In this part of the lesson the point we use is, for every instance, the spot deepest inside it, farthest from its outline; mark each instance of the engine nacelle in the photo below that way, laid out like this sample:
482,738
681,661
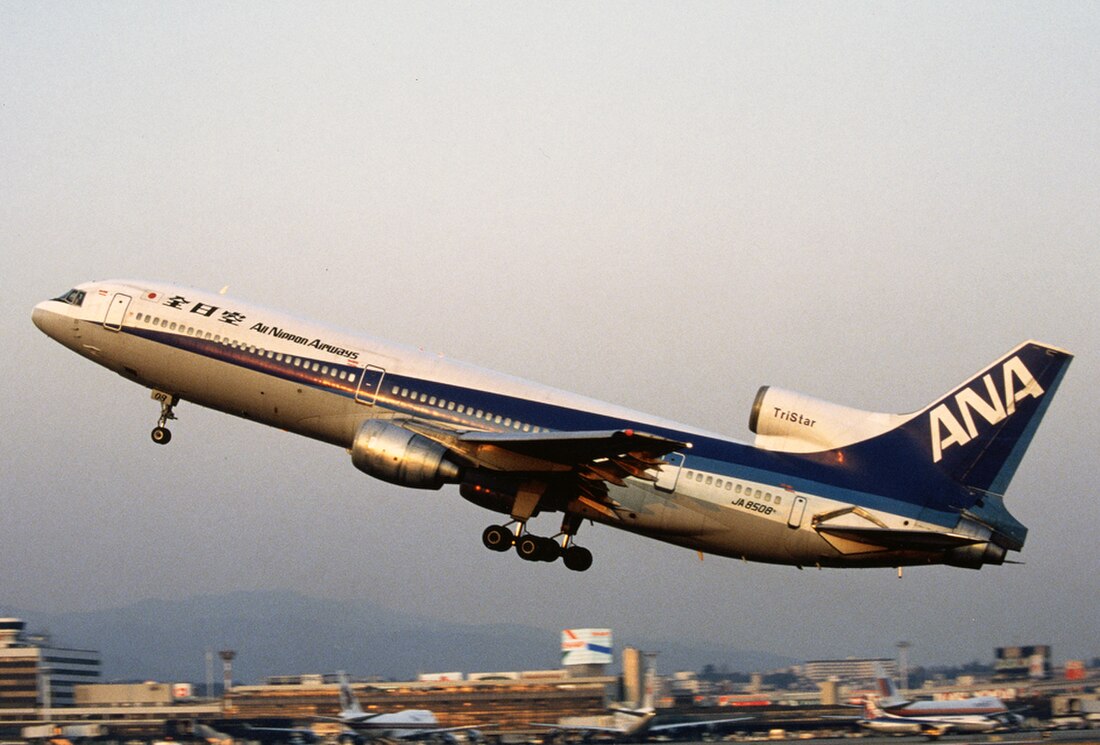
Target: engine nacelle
392,453
796,423
975,555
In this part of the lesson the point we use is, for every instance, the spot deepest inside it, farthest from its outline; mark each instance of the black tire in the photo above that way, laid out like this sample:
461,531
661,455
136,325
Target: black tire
497,538
161,435
529,547
577,558
550,550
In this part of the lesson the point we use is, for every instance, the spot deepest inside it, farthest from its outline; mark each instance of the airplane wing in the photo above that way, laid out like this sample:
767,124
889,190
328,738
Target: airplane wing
594,728
598,457
695,725
431,734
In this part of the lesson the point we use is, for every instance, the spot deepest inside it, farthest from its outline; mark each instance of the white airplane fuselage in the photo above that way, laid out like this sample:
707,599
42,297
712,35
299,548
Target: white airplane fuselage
829,506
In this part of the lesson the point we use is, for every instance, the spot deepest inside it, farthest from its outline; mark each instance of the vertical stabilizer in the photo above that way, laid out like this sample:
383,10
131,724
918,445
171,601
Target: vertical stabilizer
977,433
349,704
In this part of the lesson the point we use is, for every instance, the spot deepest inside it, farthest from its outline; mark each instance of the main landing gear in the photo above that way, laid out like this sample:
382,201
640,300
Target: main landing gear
536,548
161,434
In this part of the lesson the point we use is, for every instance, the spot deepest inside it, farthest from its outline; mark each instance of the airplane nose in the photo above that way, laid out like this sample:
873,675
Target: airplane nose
45,319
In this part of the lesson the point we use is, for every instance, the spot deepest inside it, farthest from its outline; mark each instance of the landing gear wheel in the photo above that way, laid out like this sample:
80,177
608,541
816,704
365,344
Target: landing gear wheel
161,435
577,558
549,550
529,547
497,538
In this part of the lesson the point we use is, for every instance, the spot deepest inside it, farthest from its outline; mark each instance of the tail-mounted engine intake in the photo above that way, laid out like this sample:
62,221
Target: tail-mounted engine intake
392,453
795,423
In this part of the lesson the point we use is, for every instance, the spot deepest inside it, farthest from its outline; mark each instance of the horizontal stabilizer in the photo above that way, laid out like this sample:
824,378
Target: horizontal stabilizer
923,540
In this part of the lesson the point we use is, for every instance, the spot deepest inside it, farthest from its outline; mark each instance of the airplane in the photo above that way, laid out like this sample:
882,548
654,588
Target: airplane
822,485
408,724
634,723
888,710
933,725
890,713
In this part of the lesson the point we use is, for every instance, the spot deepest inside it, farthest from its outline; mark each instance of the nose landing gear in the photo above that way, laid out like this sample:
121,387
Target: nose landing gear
162,435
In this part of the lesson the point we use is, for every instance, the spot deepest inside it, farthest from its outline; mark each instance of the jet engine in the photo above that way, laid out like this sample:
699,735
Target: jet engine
796,423
974,555
392,453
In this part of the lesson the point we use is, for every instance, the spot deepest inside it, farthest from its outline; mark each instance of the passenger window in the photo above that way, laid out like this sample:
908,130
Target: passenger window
710,480
699,477
777,500
431,401
450,406
351,377
729,485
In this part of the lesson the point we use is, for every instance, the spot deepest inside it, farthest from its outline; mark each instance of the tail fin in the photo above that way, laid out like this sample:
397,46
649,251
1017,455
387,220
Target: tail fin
871,709
978,433
887,691
349,704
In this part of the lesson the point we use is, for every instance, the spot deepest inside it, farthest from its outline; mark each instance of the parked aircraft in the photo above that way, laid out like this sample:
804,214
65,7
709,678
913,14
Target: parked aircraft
823,485
635,723
408,724
890,713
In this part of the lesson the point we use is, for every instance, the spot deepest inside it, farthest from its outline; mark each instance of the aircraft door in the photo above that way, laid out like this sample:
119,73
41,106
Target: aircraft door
116,312
669,472
797,509
370,382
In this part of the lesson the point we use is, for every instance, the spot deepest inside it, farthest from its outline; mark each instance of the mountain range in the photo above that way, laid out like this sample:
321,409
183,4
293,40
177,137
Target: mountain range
285,633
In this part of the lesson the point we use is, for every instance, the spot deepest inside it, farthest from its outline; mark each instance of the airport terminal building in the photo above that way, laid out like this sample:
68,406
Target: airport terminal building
36,674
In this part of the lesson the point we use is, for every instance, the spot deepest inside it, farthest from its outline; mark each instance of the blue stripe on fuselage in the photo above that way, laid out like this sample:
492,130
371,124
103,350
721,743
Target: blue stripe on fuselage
885,473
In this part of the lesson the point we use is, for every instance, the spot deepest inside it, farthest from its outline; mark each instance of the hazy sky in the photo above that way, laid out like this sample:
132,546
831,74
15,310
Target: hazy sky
660,205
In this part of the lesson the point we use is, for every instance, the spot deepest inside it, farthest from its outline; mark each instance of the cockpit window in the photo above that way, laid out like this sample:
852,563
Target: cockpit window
72,297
